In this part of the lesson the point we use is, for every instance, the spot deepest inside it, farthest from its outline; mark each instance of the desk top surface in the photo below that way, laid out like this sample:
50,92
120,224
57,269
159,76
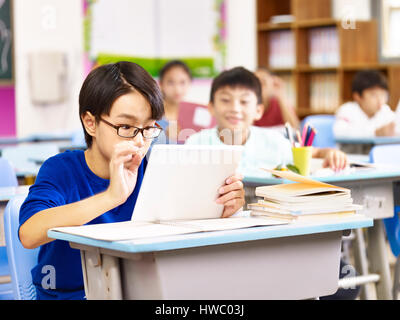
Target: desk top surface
302,226
362,175
6,193
369,140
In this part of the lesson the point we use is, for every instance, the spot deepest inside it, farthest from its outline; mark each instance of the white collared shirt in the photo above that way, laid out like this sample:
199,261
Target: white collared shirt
264,148
352,121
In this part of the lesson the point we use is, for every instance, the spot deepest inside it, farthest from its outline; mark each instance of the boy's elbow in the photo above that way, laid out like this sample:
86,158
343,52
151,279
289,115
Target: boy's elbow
26,239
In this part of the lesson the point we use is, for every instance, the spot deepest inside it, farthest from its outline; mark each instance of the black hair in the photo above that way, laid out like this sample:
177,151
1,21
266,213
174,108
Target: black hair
367,79
173,64
237,77
108,82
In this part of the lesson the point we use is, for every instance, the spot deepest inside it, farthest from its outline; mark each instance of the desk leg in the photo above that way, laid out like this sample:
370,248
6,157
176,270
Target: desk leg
361,261
379,262
101,276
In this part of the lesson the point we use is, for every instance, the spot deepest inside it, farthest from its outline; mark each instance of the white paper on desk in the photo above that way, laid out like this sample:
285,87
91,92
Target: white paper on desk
132,230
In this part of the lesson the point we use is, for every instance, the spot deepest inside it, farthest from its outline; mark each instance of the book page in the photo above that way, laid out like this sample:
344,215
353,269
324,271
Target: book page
131,230
289,175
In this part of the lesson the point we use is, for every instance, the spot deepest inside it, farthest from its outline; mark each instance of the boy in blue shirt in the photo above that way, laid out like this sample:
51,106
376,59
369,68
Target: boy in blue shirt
119,105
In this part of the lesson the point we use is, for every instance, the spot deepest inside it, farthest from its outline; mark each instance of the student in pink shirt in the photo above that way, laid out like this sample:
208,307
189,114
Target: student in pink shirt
277,110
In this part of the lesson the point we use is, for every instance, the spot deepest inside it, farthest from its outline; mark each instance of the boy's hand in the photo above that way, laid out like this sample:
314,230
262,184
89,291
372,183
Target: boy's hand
231,195
386,130
124,165
335,159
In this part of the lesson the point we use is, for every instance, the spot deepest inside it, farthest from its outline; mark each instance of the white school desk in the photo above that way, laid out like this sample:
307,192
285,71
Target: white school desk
295,261
373,189
364,145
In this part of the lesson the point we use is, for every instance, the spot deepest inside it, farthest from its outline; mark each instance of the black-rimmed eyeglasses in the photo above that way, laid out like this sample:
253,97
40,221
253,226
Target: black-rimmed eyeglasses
126,131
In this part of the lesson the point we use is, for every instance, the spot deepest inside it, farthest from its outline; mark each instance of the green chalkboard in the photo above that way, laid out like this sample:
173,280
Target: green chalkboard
6,66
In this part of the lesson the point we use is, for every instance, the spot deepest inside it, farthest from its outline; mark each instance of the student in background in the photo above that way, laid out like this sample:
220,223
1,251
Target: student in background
118,107
175,81
276,108
236,103
368,115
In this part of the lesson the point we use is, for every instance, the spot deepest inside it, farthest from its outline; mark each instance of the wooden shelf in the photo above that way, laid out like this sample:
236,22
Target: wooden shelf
267,26
307,68
358,50
324,22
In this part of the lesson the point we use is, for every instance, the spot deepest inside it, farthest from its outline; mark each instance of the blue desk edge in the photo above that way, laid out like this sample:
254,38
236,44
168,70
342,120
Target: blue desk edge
214,237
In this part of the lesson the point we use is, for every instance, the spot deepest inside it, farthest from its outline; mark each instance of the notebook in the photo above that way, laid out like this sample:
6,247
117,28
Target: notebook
304,197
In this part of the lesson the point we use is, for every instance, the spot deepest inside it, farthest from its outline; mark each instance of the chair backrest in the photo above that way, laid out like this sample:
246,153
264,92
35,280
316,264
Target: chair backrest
20,260
323,123
8,178
389,154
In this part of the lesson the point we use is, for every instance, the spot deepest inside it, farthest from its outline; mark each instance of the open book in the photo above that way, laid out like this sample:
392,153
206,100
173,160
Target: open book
307,196
133,230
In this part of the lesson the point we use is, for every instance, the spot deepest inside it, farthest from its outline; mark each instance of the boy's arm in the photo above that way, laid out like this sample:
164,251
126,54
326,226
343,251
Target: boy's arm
288,114
33,232
124,164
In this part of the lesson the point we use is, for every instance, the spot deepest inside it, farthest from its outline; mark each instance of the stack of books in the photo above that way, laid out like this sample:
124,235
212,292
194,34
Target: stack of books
324,92
282,49
304,197
324,47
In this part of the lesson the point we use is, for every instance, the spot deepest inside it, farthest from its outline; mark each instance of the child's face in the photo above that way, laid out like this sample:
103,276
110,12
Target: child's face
372,100
175,85
131,109
235,108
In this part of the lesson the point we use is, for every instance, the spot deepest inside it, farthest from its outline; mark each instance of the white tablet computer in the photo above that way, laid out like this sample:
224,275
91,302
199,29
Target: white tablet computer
181,182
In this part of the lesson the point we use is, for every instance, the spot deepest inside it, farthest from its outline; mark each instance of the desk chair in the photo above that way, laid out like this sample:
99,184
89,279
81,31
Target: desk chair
8,178
323,123
21,260
390,154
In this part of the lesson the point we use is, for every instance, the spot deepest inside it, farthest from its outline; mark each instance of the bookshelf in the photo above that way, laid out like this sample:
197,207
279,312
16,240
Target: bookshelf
326,55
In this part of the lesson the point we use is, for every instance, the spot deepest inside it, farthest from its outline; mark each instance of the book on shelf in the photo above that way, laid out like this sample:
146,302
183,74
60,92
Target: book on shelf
283,18
290,88
304,197
282,49
324,47
324,92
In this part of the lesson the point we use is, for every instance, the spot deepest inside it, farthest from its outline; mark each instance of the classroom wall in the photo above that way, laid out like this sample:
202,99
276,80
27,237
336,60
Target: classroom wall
241,45
57,25
48,25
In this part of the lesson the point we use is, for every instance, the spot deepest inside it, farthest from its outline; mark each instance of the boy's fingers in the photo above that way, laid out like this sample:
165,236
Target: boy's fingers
237,185
229,196
232,207
235,177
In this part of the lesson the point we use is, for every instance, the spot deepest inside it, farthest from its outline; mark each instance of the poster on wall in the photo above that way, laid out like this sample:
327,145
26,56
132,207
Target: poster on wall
155,31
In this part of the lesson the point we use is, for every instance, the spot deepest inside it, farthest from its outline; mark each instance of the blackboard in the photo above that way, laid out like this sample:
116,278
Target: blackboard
6,68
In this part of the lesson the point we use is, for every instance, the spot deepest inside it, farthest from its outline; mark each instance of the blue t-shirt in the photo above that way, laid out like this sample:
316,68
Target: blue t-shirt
63,179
